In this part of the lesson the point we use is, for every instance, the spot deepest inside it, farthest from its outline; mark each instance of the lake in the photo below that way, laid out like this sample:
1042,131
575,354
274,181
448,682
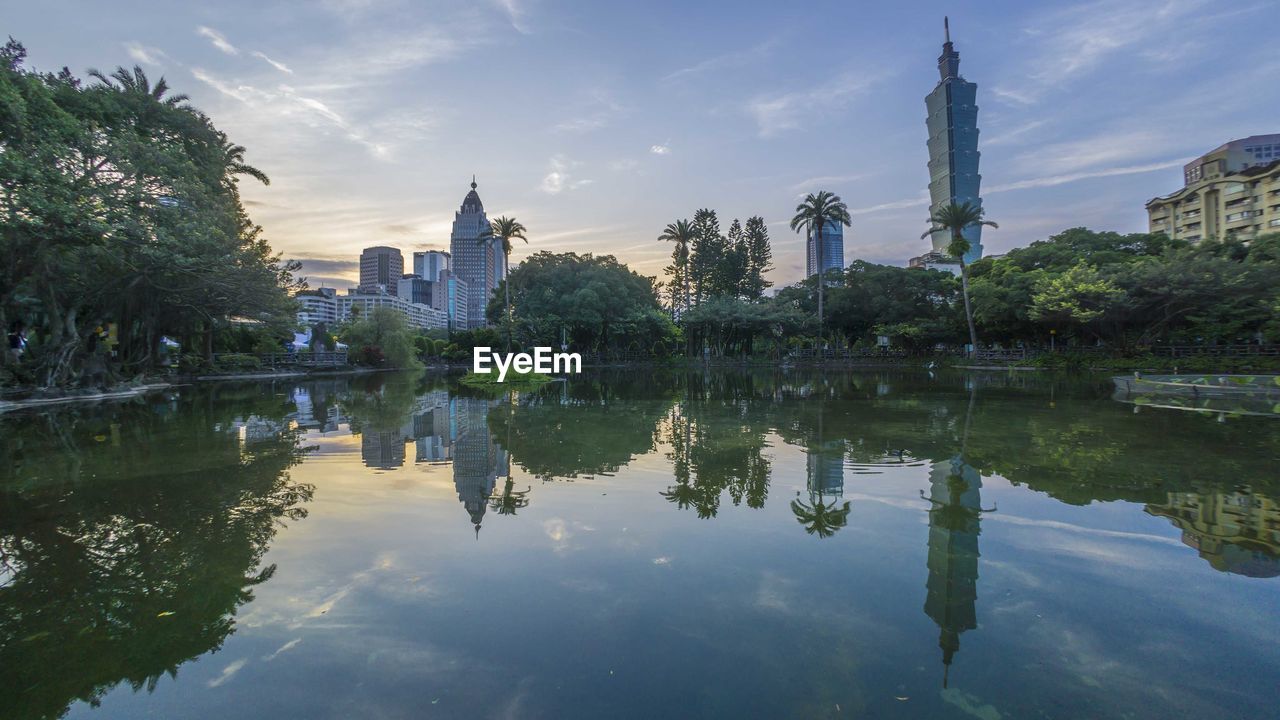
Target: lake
641,544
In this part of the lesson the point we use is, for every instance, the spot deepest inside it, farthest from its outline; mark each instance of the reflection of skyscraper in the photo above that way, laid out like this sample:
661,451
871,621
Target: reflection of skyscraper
825,469
1236,532
382,448
955,495
477,461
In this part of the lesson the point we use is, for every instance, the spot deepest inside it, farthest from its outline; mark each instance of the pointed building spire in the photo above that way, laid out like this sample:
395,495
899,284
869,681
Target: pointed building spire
949,60
473,181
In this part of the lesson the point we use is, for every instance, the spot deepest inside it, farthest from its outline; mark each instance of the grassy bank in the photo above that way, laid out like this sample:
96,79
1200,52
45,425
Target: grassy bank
1154,363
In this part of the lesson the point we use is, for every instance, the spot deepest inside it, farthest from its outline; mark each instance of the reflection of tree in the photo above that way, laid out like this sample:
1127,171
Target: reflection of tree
714,451
510,500
820,517
129,536
585,426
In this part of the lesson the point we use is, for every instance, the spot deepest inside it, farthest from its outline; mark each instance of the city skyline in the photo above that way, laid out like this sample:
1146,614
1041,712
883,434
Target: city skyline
369,116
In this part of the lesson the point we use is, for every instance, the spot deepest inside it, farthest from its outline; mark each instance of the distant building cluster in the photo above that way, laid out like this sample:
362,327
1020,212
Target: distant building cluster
1233,190
444,290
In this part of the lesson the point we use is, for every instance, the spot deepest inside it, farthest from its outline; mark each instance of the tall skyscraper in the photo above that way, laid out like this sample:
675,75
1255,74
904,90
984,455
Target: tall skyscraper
429,264
480,265
832,250
380,269
953,146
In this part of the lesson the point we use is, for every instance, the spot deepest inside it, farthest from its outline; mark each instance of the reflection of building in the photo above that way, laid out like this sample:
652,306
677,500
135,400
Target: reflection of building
1236,532
382,448
480,265
825,469
955,493
1231,190
477,460
953,147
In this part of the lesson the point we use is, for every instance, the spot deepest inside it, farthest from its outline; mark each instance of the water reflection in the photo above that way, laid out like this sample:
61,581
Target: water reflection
129,536
1236,532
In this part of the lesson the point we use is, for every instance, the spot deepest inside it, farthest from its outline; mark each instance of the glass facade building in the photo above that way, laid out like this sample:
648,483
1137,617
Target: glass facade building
832,251
953,146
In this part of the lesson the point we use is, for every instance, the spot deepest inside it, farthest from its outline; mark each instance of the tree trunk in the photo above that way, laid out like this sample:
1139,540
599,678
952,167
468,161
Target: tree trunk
506,291
968,312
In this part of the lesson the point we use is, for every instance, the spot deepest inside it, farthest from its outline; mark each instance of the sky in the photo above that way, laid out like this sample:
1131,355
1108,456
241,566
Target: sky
597,123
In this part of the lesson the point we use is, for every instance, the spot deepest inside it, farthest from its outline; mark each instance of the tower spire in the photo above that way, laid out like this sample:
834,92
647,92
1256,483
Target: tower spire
949,60
473,181
946,28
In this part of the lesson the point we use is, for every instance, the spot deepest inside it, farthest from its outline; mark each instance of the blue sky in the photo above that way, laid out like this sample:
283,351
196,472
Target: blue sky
597,123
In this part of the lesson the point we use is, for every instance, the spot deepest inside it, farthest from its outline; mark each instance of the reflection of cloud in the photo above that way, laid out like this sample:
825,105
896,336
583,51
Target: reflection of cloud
773,593
558,531
664,560
970,704
227,673
291,644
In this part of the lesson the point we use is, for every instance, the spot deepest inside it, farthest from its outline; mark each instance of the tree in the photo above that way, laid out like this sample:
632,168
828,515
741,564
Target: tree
383,337
681,233
121,209
706,254
1078,297
505,229
759,258
594,302
955,219
819,211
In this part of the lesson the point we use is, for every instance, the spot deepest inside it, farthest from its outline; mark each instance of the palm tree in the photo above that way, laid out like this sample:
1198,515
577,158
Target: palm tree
233,159
816,213
955,218
505,229
681,233
137,82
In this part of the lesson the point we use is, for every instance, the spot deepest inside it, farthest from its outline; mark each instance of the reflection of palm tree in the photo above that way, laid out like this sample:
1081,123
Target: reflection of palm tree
682,494
819,517
510,500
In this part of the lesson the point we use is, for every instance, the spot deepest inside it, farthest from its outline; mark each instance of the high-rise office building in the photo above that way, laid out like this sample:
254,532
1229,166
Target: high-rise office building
381,268
832,250
429,264
450,293
953,146
416,290
481,265
1233,190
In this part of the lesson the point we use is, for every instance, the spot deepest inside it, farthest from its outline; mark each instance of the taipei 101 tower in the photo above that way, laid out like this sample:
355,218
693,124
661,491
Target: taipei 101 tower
953,145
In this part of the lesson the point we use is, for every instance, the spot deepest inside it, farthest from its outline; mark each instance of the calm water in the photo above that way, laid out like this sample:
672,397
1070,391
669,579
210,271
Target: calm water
877,545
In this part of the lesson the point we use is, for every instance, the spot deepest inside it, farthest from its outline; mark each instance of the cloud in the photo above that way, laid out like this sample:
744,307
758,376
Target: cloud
819,182
1038,182
595,113
1052,180
660,149
218,39
1013,136
285,101
779,113
144,54
559,178
277,65
728,60
516,14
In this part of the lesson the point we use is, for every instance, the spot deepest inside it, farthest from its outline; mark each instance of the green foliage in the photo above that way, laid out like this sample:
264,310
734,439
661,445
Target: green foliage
598,304
382,339
122,206
1077,297
238,361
